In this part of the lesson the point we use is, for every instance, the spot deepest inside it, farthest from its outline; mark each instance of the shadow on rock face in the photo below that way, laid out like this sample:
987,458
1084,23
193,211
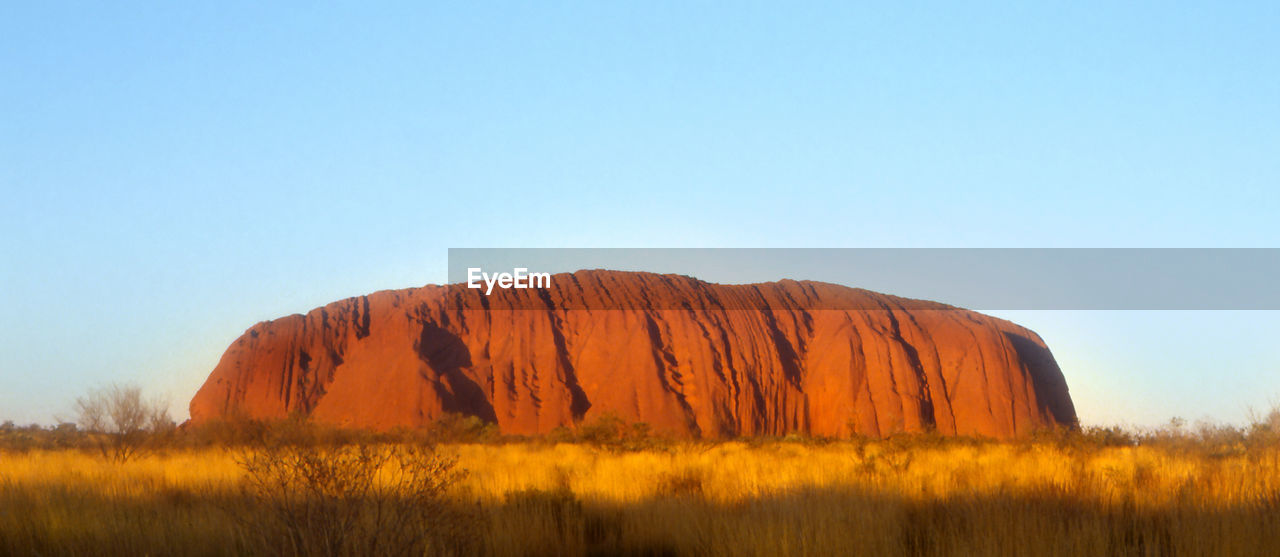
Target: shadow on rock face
1050,386
448,356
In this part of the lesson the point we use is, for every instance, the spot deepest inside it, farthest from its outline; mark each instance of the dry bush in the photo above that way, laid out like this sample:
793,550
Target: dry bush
610,431
121,420
350,500
459,428
682,483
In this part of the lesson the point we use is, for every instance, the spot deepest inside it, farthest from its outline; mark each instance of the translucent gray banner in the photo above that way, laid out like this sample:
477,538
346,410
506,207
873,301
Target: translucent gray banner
973,278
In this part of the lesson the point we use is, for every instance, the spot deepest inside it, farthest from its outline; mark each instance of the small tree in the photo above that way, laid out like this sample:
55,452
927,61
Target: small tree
121,419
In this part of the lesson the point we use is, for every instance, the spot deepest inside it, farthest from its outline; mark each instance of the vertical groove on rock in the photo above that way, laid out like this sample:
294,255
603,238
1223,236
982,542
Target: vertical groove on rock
579,404
665,363
913,360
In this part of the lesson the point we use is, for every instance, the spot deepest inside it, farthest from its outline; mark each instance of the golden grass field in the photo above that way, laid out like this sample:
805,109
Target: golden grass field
730,498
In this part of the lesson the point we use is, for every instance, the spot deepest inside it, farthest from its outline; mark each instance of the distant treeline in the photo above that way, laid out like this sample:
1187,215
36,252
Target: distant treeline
609,431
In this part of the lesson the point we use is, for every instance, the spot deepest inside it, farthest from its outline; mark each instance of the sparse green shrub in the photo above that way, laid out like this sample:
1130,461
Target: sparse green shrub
460,428
611,431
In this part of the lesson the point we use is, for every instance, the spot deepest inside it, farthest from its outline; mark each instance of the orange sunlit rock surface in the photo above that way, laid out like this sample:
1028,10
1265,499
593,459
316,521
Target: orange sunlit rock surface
883,364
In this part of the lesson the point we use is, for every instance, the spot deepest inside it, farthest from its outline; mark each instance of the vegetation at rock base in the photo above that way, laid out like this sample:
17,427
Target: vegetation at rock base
606,489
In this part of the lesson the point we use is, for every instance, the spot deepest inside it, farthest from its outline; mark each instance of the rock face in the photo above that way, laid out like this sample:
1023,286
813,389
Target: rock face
686,357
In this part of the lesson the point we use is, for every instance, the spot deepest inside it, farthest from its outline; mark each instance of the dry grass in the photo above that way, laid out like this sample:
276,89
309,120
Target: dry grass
769,498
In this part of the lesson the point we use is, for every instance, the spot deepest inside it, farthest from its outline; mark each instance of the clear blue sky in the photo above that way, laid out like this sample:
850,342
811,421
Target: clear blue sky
172,174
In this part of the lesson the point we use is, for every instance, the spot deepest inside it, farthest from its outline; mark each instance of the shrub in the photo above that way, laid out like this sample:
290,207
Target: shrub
350,500
121,420
611,431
